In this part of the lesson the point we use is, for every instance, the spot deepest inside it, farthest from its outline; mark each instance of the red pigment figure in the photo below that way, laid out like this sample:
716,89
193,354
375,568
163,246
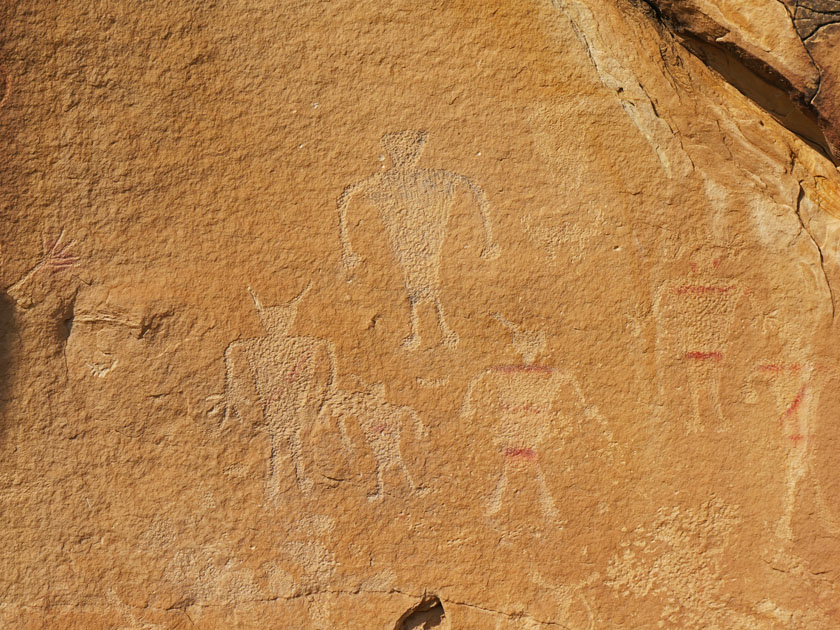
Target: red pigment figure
280,381
694,316
526,404
56,257
791,384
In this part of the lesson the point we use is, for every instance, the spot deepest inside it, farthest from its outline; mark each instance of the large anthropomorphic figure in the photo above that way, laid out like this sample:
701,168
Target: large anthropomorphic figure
415,205
280,381
526,408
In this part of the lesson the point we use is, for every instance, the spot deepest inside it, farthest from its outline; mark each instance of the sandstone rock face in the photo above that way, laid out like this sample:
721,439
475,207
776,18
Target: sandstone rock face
405,315
782,53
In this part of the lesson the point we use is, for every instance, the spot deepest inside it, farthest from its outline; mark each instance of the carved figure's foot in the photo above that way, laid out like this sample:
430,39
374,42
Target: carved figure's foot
491,252
412,342
450,339
350,261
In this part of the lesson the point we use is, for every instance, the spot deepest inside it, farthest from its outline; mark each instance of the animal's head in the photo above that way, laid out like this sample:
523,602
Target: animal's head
405,147
279,319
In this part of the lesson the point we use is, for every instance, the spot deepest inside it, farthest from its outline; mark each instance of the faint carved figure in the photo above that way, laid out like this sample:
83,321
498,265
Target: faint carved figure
574,609
56,257
414,205
694,316
797,387
382,425
281,381
677,559
792,388
527,404
566,238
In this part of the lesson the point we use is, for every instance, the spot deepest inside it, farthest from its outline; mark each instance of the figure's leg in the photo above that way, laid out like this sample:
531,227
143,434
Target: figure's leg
296,450
695,380
714,392
380,483
272,486
546,500
496,497
450,337
411,483
413,340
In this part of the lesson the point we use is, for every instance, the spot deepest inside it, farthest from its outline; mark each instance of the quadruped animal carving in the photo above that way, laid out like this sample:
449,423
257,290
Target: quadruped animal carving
526,405
414,205
281,381
382,424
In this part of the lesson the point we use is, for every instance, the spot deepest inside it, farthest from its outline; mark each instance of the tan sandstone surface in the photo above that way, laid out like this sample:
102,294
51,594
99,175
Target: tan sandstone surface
460,315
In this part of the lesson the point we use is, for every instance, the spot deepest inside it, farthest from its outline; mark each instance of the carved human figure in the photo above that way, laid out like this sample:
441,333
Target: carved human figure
280,381
792,389
694,316
797,388
414,205
525,406
382,425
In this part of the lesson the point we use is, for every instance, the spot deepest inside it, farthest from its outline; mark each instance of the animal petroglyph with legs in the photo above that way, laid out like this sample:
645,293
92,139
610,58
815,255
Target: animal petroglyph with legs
528,404
382,424
414,205
280,381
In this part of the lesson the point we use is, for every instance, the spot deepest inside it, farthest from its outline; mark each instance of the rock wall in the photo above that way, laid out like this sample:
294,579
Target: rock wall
353,315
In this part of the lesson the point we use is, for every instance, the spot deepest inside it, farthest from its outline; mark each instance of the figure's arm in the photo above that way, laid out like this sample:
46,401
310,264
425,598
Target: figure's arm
348,257
491,248
326,369
242,400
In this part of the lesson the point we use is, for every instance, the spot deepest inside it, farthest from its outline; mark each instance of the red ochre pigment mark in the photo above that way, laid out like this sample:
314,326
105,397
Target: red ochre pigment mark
693,266
7,86
526,408
519,452
301,363
779,367
380,428
797,438
792,408
704,356
523,368
703,289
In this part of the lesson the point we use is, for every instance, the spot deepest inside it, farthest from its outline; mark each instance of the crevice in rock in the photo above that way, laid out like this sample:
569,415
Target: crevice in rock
426,615
753,77
819,249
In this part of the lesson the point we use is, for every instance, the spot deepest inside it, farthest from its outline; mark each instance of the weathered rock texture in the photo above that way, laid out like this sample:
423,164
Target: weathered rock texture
782,53
466,315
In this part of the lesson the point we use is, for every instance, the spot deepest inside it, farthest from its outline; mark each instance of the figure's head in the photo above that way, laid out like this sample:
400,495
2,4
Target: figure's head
404,147
278,319
528,343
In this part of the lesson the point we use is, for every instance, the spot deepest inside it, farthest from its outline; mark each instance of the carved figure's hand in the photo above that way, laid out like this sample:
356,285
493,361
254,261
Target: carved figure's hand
57,256
350,260
491,251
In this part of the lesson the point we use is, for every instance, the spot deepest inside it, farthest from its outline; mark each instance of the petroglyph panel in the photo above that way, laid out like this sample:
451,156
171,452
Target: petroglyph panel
358,315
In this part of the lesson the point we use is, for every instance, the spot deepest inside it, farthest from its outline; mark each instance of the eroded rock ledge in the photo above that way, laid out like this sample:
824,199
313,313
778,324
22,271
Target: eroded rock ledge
782,54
